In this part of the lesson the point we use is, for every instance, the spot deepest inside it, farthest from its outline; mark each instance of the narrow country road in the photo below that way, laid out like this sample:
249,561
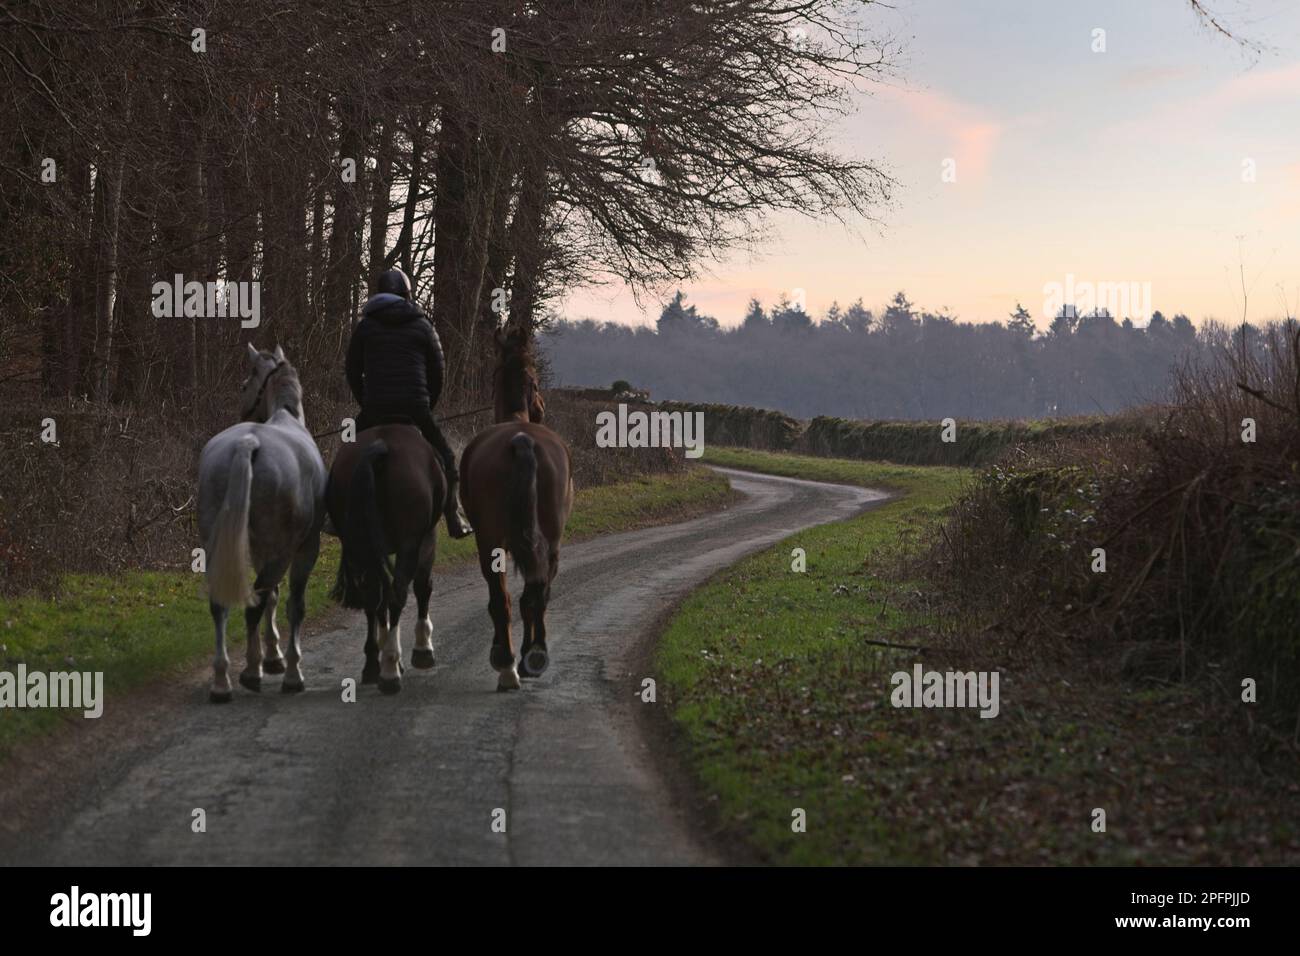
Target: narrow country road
416,778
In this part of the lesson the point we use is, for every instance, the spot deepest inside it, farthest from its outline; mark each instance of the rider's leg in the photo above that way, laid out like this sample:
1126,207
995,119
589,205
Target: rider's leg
457,526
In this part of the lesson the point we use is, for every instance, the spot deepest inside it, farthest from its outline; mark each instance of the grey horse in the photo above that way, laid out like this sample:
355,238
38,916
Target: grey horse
261,506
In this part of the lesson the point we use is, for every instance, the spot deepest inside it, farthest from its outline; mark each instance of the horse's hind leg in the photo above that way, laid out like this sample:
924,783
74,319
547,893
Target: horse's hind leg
272,660
503,655
422,653
390,641
220,693
532,607
251,676
303,563
370,672
533,657
267,579
527,614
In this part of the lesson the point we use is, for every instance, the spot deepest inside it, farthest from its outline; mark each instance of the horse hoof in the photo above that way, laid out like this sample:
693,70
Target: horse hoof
508,680
500,658
220,696
422,657
287,688
274,665
534,663
251,682
390,685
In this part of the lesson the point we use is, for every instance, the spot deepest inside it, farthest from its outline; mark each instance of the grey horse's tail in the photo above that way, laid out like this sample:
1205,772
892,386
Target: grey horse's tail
229,562
365,551
525,538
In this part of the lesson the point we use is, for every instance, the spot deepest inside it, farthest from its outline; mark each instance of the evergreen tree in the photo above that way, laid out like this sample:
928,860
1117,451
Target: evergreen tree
674,317
755,317
900,318
858,319
1021,322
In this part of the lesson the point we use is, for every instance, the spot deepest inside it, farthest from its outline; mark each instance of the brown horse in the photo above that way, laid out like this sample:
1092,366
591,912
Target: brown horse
385,495
517,489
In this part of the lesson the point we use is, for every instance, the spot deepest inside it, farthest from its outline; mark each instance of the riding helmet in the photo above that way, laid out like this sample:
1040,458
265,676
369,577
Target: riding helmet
394,282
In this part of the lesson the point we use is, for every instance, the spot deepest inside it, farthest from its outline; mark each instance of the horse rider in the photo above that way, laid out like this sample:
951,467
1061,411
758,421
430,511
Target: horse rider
394,368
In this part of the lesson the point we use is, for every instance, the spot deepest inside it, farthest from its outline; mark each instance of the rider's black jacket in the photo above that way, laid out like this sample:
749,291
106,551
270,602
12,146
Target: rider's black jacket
395,359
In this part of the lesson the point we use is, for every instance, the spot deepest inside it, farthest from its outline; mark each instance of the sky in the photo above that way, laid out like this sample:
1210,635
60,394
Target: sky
1152,174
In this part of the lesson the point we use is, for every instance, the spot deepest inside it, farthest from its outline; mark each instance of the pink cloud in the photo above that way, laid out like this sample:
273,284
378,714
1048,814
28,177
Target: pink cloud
1202,110
1153,76
973,135
1257,85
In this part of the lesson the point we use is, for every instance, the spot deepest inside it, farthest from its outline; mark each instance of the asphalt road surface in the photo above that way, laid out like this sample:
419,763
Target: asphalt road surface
417,778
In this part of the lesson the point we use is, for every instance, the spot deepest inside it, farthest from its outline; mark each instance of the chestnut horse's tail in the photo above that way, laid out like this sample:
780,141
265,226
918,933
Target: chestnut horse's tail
365,550
528,545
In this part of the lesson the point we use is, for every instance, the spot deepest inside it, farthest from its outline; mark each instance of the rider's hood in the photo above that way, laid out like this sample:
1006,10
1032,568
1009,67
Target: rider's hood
390,309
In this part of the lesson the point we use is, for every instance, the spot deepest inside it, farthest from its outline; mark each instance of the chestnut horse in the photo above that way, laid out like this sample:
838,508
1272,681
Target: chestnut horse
385,496
517,488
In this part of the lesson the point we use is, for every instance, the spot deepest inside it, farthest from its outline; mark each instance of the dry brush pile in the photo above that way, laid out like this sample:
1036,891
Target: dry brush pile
117,490
1197,521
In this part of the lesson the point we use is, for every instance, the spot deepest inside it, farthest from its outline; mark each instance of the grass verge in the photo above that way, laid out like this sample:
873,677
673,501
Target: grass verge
784,706
145,625
777,696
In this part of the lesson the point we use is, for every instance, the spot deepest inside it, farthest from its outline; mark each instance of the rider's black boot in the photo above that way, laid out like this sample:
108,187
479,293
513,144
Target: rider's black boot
457,526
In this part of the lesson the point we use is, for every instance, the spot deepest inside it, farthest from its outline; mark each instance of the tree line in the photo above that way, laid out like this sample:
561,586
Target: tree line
498,151
897,362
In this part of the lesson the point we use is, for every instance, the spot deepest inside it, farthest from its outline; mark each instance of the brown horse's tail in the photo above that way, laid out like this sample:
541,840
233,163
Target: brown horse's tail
364,568
527,544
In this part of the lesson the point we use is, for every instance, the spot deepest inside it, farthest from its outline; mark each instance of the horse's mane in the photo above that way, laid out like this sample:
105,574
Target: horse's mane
516,364
286,390
288,379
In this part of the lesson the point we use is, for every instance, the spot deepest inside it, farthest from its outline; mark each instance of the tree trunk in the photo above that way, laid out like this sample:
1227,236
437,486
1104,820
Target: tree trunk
140,268
239,209
402,248
451,235
379,203
345,234
81,283
107,215
496,269
317,255
463,220
528,242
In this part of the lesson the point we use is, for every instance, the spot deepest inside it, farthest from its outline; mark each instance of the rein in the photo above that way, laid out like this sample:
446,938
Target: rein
472,411
444,418
262,391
